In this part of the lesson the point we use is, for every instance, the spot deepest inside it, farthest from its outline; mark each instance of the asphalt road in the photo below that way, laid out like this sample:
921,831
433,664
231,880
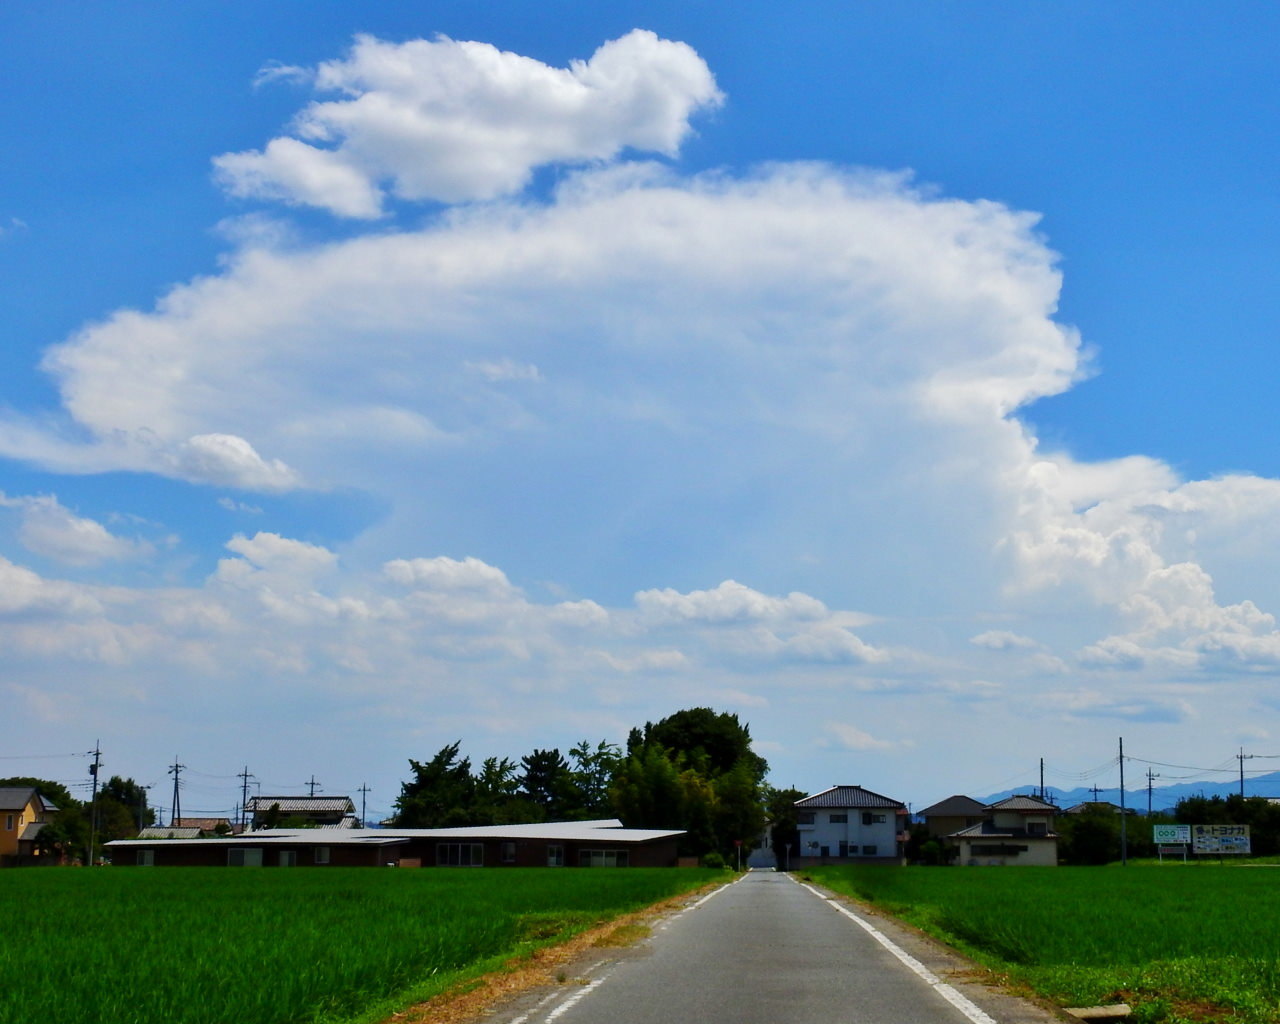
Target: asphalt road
768,949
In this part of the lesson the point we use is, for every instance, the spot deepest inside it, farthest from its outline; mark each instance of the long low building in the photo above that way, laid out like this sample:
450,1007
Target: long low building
602,843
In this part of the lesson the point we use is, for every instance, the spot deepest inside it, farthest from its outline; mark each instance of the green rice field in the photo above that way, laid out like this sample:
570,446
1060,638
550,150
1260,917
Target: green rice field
1177,942
211,945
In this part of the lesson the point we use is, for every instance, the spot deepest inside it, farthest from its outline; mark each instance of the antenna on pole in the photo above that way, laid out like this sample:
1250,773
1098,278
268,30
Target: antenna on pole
363,791
175,812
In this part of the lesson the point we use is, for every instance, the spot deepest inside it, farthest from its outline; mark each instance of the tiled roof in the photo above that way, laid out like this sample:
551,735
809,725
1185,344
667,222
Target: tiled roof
15,798
165,832
301,804
954,807
29,832
1023,802
848,796
207,824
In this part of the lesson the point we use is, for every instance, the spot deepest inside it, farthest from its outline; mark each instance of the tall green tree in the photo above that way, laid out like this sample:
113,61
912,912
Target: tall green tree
593,769
441,793
711,785
547,780
784,830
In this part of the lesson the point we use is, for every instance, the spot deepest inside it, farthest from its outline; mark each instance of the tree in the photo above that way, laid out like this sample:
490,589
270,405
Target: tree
710,785
548,782
713,742
593,769
441,793
131,796
784,831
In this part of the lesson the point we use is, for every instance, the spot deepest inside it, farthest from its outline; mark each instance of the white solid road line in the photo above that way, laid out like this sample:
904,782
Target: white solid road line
948,992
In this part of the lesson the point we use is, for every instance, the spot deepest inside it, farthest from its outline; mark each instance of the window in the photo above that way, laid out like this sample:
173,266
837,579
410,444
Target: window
1037,828
844,849
460,855
603,858
321,855
873,819
8,822
804,818
555,855
288,858
996,850
245,857
868,851
508,853
839,819
146,858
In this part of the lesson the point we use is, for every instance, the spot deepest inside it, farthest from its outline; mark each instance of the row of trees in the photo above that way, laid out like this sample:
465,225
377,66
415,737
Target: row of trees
121,810
693,770
1094,836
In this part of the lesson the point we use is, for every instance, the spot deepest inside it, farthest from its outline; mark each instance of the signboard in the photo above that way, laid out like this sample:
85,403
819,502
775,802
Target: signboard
1171,833
1220,839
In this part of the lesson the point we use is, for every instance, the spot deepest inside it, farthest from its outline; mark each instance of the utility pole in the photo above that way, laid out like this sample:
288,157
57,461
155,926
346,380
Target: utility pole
1150,775
1042,778
1124,824
244,776
1242,757
1095,792
93,800
175,811
363,791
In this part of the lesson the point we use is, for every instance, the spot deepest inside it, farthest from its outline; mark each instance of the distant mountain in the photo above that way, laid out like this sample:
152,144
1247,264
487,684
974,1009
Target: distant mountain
1163,798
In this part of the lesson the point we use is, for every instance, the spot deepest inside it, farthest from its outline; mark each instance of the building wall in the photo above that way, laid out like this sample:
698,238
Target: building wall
940,825
980,852
828,841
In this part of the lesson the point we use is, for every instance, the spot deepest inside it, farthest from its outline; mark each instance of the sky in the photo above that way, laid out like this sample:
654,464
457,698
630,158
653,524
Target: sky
897,377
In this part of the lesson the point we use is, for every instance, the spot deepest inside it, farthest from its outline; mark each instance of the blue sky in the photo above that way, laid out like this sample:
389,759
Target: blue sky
896,376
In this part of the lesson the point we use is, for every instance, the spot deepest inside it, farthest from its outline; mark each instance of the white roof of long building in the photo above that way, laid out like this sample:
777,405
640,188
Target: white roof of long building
604,831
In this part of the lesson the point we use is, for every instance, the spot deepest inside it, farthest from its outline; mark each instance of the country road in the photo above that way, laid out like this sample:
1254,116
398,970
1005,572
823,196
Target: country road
770,950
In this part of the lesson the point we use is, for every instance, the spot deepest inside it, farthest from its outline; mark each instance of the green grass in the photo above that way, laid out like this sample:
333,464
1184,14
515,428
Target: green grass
1179,944
210,945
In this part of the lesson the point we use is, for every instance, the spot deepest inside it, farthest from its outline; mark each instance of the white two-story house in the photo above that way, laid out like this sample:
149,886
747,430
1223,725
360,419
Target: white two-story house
849,823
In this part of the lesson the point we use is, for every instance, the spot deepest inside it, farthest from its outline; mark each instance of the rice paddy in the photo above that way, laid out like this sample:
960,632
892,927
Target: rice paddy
1178,943
332,946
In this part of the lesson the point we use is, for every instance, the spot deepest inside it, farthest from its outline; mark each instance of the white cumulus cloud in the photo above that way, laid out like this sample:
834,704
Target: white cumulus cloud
448,120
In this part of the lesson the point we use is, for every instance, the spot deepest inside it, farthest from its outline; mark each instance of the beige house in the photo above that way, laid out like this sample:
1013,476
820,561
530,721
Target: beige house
1016,830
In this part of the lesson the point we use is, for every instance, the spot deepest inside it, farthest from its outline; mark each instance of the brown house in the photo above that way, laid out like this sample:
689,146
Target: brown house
552,844
952,814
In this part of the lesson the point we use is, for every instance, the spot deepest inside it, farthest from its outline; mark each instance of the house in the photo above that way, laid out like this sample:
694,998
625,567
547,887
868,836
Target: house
1099,805
952,814
550,844
848,823
314,811
1016,830
23,812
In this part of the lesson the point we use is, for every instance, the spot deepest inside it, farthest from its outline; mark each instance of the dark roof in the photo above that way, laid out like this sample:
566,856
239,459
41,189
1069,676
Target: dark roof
14,798
29,832
955,807
1023,802
301,804
849,796
987,830
1104,805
